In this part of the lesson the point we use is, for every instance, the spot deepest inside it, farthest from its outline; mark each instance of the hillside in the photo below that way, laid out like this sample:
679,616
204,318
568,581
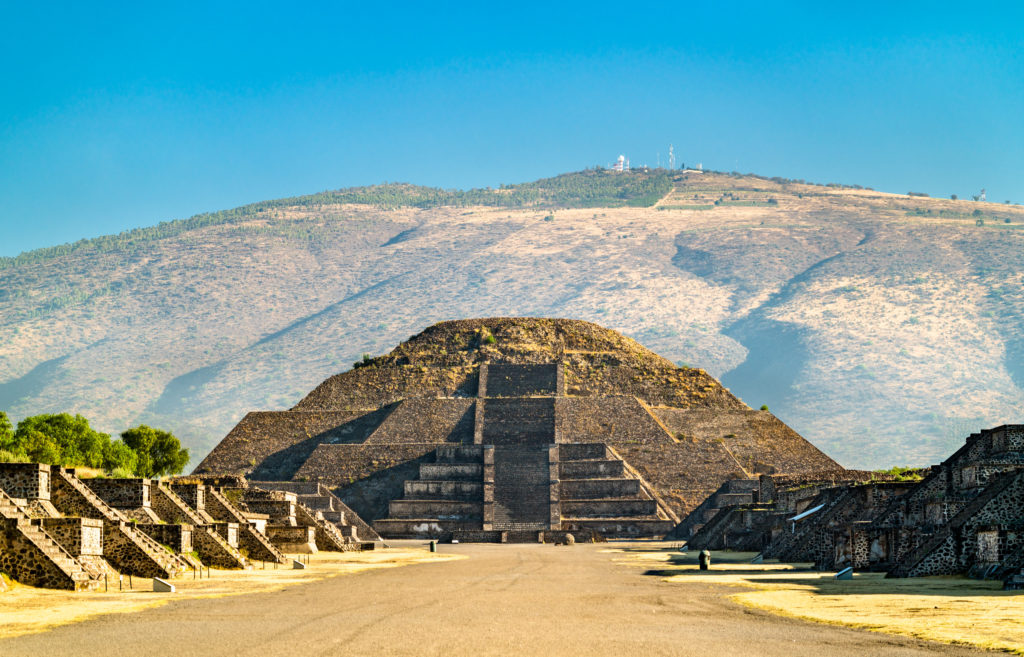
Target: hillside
882,327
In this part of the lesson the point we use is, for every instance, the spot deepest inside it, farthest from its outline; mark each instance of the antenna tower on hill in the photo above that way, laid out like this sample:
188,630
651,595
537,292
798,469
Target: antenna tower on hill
981,197
671,158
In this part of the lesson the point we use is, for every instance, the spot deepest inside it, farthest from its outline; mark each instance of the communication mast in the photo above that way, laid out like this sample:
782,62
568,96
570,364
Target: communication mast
671,158
981,197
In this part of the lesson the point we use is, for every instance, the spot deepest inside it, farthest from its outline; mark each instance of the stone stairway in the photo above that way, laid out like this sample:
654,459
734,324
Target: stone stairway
599,492
125,547
447,496
328,536
318,497
213,548
518,422
514,380
250,539
928,557
32,557
732,493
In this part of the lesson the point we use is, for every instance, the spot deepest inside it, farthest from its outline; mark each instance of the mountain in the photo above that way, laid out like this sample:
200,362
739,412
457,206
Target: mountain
882,327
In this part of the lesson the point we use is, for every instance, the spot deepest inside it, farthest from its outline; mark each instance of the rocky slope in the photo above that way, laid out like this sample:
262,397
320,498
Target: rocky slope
882,327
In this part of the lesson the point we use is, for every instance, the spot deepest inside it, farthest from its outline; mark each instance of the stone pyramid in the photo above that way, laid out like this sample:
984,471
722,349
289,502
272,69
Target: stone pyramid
478,427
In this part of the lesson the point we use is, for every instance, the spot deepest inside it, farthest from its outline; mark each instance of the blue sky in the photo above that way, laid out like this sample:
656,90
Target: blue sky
114,116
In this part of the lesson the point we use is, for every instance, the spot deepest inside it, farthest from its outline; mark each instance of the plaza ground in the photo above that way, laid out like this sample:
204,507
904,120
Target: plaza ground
587,599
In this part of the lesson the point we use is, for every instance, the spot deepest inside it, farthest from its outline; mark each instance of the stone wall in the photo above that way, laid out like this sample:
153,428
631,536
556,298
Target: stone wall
26,481
423,420
122,493
761,443
175,536
23,560
78,536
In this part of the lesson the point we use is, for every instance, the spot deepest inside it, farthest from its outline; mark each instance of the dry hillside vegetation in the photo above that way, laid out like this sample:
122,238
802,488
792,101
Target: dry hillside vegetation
882,327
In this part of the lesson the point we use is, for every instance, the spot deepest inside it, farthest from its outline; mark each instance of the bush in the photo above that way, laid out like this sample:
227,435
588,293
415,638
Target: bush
764,407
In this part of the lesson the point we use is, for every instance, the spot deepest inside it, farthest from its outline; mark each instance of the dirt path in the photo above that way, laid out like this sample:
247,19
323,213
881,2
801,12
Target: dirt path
503,600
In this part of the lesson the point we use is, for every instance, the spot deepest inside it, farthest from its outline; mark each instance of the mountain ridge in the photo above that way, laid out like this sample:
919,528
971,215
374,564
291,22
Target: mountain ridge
896,316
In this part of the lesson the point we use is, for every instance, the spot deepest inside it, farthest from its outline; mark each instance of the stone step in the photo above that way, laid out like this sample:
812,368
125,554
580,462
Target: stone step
451,471
521,380
437,509
423,528
591,469
609,508
444,490
590,489
582,452
459,454
619,527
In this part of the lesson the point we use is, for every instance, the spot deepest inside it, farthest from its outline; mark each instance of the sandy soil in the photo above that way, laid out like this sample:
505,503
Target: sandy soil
948,609
501,600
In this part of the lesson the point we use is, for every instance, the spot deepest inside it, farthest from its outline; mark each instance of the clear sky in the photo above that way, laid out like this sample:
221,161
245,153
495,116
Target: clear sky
114,116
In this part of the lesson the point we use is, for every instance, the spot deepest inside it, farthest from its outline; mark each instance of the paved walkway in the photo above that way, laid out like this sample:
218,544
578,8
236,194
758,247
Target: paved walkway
503,600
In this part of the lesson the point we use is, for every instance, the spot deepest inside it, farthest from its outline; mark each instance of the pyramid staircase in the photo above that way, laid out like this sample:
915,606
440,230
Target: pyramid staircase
518,480
32,557
600,493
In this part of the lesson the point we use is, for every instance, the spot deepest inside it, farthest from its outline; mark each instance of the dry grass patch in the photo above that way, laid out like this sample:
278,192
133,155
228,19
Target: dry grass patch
27,610
948,609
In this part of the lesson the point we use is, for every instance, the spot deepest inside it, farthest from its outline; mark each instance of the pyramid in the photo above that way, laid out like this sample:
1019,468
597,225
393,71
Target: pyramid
480,427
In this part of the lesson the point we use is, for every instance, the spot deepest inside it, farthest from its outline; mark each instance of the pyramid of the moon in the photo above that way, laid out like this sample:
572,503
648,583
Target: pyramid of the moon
516,424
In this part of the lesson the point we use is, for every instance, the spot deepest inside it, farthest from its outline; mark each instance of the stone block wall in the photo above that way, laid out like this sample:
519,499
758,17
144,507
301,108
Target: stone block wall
301,540
78,536
26,481
122,493
177,537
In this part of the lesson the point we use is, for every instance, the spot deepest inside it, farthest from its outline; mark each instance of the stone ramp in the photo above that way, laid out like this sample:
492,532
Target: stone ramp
32,557
518,380
522,489
522,421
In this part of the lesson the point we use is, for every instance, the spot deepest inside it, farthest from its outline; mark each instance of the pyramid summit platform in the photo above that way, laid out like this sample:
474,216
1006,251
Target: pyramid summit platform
483,429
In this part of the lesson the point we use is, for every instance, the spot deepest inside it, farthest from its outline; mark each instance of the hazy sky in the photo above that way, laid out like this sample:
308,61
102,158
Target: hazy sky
117,116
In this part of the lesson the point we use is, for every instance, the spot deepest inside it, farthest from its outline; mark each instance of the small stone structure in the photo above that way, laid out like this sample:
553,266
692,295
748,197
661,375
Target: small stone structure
965,516
65,532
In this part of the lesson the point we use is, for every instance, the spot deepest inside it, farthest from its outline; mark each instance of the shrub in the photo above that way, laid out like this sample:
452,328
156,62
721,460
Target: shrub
764,407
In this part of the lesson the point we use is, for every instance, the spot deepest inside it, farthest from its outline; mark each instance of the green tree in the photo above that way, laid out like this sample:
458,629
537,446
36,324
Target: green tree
157,452
118,457
61,439
6,431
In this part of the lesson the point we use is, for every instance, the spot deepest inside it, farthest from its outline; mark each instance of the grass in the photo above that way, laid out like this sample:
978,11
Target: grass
28,610
952,610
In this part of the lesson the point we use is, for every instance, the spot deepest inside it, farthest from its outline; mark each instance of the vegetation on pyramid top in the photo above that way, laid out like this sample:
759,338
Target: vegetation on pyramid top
444,359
